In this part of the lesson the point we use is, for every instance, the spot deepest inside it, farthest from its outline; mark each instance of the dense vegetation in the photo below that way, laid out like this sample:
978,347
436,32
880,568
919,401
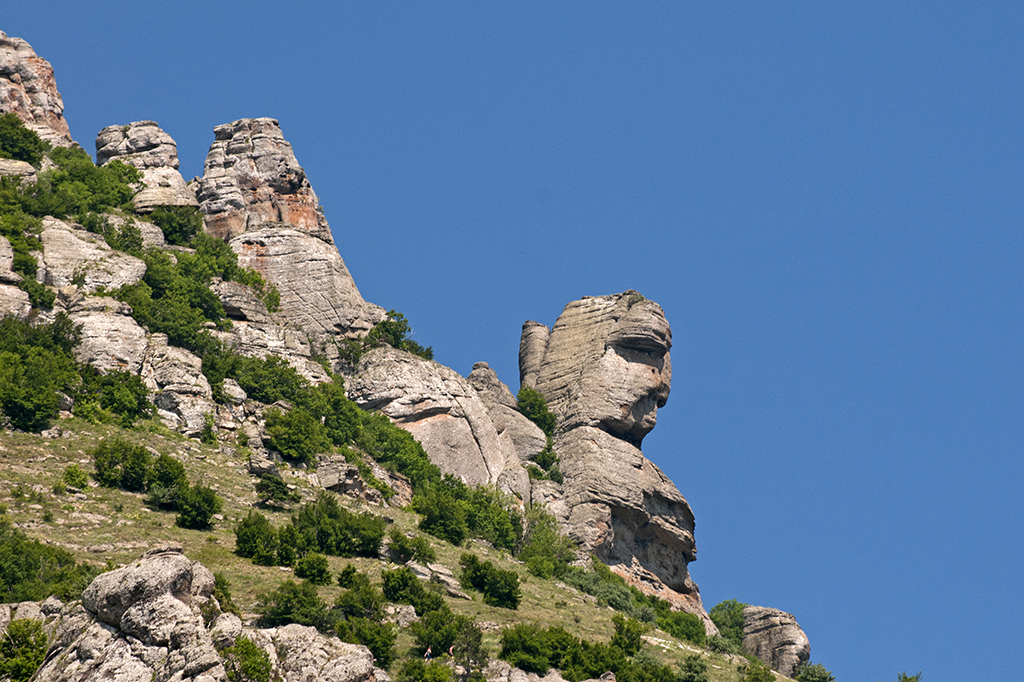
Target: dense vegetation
32,571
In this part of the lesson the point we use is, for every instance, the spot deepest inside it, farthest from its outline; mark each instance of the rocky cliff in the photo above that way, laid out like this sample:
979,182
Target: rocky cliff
604,369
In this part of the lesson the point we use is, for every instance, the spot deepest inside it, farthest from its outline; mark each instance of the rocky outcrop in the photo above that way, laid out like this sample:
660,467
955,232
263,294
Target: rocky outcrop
139,623
604,370
111,339
318,294
439,408
29,89
503,409
181,393
251,177
775,637
19,169
73,256
146,146
145,622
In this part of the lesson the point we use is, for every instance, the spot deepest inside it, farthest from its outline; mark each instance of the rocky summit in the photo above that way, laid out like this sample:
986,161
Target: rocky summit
603,369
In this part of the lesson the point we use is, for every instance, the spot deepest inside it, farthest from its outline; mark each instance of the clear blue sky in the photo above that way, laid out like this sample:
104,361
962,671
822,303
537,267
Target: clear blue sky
826,199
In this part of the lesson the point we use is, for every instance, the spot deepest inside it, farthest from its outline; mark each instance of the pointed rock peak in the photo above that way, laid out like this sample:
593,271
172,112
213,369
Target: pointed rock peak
252,177
29,90
146,146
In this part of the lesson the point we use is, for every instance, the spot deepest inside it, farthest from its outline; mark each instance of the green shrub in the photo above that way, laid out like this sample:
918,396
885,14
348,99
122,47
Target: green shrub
499,587
683,625
812,672
403,549
394,331
378,637
403,587
326,527
444,516
348,576
32,571
437,630
756,671
546,551
468,651
273,491
256,539
535,408
178,223
246,662
167,483
22,649
121,393
197,508
294,602
296,434
313,568
19,143
724,645
396,449
75,477
120,464
360,600
418,670
694,669
728,616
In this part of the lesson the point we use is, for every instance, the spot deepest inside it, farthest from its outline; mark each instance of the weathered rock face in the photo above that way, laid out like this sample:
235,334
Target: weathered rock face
775,638
146,146
145,622
72,256
111,339
28,89
317,292
251,177
438,407
527,438
604,370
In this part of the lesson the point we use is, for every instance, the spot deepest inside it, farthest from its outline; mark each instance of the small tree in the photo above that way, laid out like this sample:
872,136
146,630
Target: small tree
694,669
120,464
756,671
535,408
22,649
628,634
198,506
813,672
294,602
313,567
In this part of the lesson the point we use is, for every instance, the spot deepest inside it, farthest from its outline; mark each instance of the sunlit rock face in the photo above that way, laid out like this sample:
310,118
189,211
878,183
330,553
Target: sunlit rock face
146,146
29,90
604,369
255,195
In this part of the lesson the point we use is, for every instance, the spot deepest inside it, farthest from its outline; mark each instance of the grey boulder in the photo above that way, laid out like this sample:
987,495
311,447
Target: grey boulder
775,637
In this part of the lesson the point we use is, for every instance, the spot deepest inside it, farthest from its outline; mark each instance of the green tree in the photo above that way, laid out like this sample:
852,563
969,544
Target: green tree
756,671
378,637
18,142
314,568
628,634
246,662
167,482
535,408
294,602
121,464
812,672
728,616
178,223
297,434
256,539
197,508
694,669
546,551
22,649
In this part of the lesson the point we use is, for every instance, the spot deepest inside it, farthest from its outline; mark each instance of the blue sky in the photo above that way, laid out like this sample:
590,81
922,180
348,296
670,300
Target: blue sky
825,198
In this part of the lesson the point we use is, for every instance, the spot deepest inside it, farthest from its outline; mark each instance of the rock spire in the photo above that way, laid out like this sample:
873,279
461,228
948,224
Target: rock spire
29,89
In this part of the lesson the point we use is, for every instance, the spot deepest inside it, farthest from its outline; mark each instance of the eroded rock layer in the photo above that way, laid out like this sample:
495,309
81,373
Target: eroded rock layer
775,637
146,146
29,89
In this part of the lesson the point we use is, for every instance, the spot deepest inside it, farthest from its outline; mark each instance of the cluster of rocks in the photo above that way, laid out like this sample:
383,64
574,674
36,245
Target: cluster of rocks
158,619
604,367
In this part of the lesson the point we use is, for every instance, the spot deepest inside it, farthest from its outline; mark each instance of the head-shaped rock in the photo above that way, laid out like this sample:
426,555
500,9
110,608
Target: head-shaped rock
606,364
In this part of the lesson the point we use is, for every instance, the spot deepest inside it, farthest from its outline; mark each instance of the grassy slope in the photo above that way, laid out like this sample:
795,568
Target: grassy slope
104,525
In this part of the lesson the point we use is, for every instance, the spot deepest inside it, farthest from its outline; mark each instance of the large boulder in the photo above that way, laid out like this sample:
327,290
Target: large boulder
29,90
439,408
111,338
775,637
182,394
301,654
604,370
146,146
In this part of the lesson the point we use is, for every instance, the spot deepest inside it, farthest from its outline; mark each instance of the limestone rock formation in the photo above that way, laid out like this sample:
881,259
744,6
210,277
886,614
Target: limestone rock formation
604,370
145,622
20,169
146,146
775,637
111,339
251,177
527,438
29,89
437,406
74,256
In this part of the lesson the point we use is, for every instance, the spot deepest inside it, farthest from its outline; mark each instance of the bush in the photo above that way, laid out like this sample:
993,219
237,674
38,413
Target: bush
32,571
197,508
403,587
437,630
812,672
313,568
325,527
444,516
545,550
167,483
246,662
292,602
396,449
628,634
349,576
273,491
724,645
403,549
19,143
535,408
694,669
222,593
500,588
22,649
120,464
296,434
178,223
728,616
256,539
360,600
683,625
394,331
379,638
74,476
418,670
756,671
